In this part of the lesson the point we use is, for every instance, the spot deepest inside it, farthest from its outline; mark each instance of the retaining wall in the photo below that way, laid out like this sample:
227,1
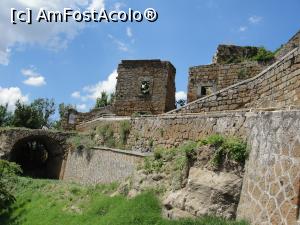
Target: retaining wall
276,86
101,165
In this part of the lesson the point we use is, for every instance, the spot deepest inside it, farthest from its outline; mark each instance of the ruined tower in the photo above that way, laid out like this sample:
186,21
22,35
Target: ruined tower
145,87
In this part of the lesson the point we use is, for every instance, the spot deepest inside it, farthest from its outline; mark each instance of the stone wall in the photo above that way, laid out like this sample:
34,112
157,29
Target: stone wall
293,43
73,118
270,193
271,185
233,54
276,86
172,131
145,86
101,165
219,76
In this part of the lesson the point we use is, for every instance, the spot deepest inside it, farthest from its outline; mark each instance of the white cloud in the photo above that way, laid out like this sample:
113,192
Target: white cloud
33,77
35,81
10,96
255,19
118,6
243,28
81,107
76,94
180,95
129,32
92,92
53,36
121,45
96,4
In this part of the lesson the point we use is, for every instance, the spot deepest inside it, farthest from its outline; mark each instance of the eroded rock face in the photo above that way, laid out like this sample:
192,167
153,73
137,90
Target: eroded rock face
200,190
206,193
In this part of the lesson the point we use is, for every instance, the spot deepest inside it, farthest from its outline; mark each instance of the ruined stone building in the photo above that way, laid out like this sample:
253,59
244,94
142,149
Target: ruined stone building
145,87
231,64
234,96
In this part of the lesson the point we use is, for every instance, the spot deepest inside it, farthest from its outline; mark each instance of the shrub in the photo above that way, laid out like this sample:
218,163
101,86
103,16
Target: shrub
174,161
107,135
8,177
124,131
263,55
82,141
230,148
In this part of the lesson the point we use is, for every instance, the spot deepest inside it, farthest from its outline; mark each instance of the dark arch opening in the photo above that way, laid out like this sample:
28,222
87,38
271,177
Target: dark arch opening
39,157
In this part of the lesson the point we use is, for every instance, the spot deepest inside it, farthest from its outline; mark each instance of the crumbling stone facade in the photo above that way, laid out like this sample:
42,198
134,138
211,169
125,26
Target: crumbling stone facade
101,165
231,64
205,80
227,54
293,43
145,86
270,193
276,86
72,118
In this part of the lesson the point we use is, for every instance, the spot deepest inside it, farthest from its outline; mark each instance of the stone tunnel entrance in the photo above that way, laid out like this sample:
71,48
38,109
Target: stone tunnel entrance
39,157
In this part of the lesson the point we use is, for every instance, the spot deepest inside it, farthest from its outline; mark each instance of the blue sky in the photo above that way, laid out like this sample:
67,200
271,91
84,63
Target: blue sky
72,63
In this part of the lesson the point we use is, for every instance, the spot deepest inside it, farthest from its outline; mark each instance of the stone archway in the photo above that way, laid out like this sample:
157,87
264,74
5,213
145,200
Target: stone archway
39,156
40,153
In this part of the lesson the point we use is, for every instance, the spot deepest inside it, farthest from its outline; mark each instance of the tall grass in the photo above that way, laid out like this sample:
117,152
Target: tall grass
43,202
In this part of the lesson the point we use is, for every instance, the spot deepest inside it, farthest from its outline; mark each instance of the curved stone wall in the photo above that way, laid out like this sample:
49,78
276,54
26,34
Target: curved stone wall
276,86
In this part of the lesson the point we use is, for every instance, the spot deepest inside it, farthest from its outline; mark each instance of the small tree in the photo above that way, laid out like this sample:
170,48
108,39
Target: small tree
27,116
102,101
111,98
46,108
8,172
63,109
5,116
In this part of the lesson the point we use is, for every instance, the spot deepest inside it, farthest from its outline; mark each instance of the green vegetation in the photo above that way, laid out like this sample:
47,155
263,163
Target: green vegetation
104,100
34,116
176,161
5,116
107,134
45,202
242,73
226,148
82,141
8,176
124,131
263,55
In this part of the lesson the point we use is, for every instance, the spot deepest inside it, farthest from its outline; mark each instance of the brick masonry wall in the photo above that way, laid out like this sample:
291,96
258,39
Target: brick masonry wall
129,98
276,86
101,165
293,43
270,193
219,76
78,117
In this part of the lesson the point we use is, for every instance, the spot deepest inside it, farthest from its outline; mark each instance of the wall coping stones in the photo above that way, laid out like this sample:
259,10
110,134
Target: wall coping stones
237,84
126,152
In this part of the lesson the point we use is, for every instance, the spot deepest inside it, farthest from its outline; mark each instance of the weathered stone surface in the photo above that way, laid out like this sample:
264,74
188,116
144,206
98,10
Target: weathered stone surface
101,165
219,76
293,43
270,190
206,193
12,141
158,79
231,53
277,86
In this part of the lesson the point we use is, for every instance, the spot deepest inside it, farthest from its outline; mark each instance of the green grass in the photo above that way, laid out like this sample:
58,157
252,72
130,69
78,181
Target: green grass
44,202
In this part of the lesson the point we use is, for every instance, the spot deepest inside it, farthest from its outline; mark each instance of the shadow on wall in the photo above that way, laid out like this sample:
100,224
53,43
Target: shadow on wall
39,157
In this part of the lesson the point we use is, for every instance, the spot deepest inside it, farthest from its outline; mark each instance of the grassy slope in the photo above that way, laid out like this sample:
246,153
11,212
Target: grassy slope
43,202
